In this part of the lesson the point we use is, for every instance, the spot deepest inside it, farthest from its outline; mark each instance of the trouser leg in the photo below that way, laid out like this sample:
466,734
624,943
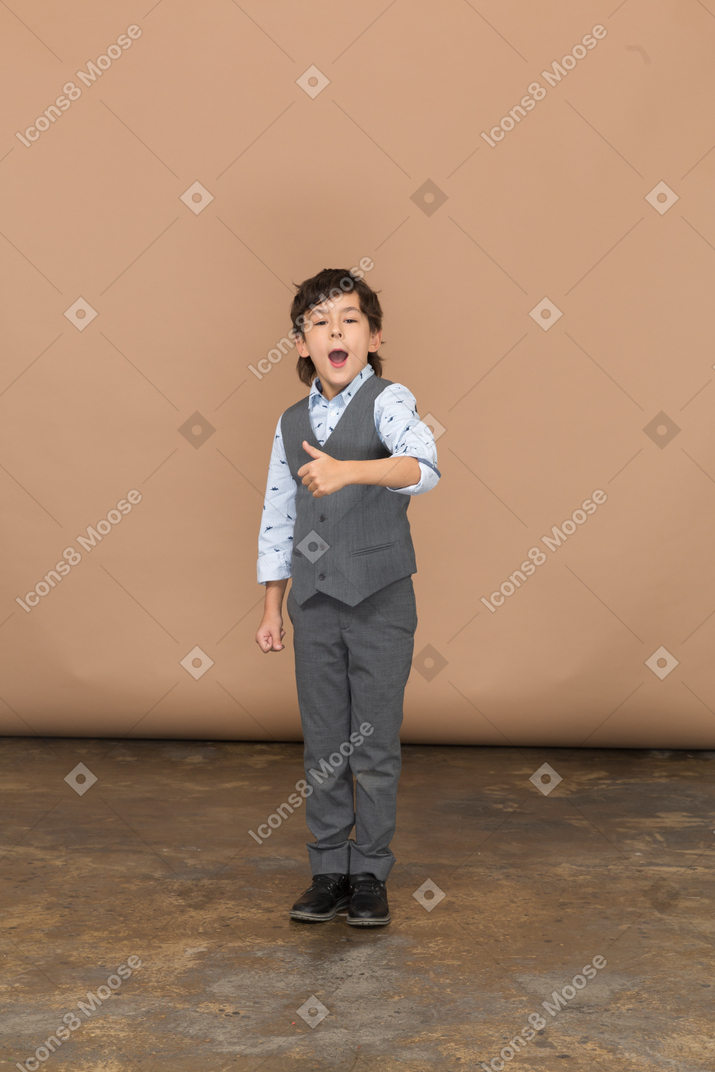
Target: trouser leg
321,669
379,634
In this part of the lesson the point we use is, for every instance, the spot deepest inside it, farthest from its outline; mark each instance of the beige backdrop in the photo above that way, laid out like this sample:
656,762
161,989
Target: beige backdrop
547,280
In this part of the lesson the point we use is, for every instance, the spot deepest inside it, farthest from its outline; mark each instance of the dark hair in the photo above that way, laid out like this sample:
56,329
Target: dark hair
331,283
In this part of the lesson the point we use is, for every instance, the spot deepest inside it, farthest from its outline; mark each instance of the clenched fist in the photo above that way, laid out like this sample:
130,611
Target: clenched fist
324,474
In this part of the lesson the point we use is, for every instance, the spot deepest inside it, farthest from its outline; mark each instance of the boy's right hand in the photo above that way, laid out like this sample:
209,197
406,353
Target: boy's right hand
270,633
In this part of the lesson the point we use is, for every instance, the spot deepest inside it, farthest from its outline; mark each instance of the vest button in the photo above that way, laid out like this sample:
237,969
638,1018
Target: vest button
321,518
321,576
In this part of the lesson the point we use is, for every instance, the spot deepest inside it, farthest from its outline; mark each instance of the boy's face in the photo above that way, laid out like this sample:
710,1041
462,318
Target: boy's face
339,327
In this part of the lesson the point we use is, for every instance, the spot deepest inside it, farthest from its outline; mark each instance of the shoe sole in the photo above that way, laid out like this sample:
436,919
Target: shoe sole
368,922
310,918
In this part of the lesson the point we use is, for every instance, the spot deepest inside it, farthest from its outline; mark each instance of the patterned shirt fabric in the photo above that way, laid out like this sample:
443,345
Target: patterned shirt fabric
399,428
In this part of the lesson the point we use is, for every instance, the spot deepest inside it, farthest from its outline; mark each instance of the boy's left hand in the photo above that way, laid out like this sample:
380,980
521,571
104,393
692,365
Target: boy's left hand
324,474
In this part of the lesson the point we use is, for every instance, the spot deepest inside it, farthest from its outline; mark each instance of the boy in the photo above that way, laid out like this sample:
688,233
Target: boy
335,521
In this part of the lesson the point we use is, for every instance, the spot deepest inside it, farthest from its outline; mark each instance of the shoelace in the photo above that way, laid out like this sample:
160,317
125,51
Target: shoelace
367,885
323,882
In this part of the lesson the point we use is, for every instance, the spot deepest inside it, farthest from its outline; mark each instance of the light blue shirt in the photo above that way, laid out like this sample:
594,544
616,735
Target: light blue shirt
399,428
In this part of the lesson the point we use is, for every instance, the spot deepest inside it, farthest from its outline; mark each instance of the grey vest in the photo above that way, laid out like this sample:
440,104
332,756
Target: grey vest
357,540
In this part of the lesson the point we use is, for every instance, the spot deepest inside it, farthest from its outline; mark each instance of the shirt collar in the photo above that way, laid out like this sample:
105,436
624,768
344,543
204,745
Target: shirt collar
316,390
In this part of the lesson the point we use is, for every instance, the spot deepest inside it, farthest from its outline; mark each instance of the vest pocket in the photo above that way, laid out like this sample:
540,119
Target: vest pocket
375,547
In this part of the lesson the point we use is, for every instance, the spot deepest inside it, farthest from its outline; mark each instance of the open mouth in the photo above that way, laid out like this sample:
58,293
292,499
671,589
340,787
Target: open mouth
338,358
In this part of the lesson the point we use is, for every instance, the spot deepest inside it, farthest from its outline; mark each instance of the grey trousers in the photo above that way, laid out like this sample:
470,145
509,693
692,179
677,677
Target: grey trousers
351,666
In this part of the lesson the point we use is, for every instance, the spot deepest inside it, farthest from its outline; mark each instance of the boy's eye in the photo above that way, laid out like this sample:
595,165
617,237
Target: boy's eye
350,320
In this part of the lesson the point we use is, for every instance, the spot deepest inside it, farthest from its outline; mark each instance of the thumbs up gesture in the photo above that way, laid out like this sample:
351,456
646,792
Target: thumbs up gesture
324,474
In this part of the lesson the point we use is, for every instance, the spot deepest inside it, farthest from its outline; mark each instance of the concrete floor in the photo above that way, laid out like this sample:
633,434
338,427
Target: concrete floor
154,860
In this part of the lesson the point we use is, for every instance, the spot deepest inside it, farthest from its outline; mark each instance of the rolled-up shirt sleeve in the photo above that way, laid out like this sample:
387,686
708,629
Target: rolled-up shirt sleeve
403,433
275,539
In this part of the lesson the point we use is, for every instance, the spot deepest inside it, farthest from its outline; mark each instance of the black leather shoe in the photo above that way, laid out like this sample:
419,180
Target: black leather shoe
368,901
328,894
